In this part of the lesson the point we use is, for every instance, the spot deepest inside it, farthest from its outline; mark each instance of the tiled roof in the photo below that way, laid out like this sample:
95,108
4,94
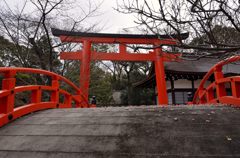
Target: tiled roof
57,32
201,65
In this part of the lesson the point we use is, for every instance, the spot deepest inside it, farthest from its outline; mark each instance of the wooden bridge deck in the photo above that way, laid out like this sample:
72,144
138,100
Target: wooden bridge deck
194,131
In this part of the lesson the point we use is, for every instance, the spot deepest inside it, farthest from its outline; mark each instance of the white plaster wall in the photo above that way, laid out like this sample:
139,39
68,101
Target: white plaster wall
117,97
197,83
183,83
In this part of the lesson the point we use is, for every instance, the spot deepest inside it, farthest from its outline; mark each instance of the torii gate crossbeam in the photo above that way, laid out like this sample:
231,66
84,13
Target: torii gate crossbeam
86,54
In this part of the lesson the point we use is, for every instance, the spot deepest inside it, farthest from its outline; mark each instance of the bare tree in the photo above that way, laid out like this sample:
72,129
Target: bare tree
199,17
29,27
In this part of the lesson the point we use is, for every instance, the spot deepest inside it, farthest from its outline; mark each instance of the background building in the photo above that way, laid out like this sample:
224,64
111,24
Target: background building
184,77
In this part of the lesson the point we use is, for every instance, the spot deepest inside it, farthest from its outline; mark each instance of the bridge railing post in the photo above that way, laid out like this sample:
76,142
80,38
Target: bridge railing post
216,92
235,86
36,95
8,83
220,87
67,101
210,94
9,89
55,92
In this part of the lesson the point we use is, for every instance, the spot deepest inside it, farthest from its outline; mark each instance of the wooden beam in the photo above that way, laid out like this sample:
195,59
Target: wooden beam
118,40
123,56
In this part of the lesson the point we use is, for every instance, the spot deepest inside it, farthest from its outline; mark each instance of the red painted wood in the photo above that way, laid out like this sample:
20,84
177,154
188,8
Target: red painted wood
86,55
118,40
206,95
85,68
9,89
160,79
124,56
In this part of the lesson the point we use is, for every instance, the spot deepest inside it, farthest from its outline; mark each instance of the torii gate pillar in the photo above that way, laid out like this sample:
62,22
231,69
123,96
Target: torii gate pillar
85,68
160,78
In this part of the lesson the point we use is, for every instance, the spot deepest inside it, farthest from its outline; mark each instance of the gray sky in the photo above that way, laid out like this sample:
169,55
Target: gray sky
112,21
115,21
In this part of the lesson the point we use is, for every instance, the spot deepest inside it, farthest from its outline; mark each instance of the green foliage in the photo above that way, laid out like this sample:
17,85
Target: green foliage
100,85
221,34
6,50
138,96
12,54
41,54
23,76
102,81
72,72
25,79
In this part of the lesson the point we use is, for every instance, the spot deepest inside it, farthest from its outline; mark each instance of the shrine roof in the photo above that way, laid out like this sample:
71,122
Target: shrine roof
187,69
58,32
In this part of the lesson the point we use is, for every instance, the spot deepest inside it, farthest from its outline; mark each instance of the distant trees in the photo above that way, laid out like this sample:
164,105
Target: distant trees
26,41
28,26
25,30
199,18
133,73
223,34
123,77
6,51
100,85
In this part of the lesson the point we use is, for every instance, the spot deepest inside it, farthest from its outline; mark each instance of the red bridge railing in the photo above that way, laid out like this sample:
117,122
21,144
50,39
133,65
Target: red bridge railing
216,92
9,112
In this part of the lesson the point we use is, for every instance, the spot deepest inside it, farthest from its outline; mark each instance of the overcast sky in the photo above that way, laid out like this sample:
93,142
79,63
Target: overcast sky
112,21
115,21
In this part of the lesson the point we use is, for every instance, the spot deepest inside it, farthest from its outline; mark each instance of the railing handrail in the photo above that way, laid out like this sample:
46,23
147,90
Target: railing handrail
39,71
214,69
9,88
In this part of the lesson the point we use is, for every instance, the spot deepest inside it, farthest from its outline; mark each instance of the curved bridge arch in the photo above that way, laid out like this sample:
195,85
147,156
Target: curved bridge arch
9,89
216,91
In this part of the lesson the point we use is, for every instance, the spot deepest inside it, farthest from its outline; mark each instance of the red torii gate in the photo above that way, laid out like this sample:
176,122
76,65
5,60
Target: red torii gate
86,55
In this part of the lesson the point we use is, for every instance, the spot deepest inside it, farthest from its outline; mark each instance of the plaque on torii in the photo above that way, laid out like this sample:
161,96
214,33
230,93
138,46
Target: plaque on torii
158,56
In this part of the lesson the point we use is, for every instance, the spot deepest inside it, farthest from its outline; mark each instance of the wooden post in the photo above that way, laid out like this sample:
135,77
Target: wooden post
160,78
55,93
85,68
8,83
173,91
220,87
193,87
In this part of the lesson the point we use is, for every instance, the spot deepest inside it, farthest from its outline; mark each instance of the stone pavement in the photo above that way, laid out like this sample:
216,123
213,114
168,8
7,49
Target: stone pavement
119,132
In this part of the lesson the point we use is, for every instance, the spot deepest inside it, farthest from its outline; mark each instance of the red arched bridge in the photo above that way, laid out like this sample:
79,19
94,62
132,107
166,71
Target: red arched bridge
9,90
70,128
216,92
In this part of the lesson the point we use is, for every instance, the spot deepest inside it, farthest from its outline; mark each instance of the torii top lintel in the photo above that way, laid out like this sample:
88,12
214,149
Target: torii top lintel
72,36
122,40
